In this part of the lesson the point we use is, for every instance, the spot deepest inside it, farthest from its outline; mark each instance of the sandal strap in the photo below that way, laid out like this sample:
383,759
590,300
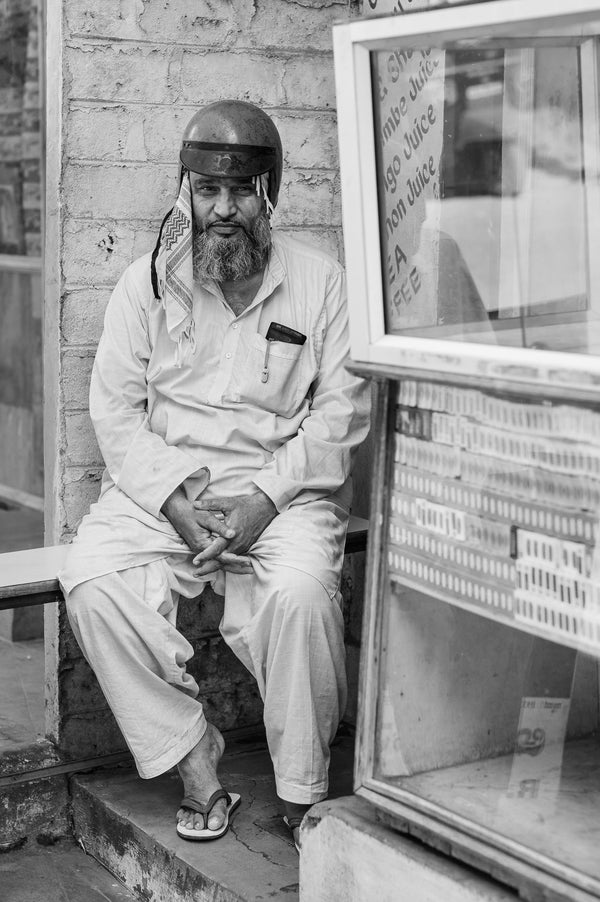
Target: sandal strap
205,809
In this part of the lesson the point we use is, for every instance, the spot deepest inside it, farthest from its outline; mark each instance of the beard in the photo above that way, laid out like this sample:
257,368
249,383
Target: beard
234,257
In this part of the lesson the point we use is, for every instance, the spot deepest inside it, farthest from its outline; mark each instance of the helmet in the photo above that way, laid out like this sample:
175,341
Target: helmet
233,138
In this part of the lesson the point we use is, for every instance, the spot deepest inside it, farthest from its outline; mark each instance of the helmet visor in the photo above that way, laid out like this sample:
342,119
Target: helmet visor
234,160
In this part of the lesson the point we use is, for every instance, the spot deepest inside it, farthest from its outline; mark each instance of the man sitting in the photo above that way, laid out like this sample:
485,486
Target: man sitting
227,423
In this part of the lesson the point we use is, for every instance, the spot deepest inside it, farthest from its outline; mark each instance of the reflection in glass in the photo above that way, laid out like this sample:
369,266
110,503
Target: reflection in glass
487,167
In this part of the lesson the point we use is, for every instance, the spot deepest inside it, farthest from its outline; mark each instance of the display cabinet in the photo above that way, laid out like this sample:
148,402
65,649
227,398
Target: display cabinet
470,151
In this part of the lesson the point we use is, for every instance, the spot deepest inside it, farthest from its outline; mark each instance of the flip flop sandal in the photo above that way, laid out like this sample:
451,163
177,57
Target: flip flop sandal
291,823
205,834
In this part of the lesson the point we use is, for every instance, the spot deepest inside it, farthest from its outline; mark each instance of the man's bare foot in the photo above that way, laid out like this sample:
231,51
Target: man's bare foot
198,770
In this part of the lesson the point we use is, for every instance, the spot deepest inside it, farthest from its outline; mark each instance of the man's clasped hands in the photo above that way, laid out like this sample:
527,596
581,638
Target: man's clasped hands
220,531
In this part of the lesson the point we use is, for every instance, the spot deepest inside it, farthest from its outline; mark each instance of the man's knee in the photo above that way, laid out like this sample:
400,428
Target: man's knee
88,600
301,595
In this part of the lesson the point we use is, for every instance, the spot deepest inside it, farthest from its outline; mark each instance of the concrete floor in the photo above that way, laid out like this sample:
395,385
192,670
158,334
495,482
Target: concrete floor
59,873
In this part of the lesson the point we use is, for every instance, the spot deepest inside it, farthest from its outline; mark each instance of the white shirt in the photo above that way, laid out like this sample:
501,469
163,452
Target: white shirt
292,435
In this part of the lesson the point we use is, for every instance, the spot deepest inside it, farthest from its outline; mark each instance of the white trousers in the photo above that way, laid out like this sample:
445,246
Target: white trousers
280,622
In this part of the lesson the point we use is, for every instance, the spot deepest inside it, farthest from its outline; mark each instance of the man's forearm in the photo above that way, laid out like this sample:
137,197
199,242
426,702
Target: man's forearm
174,504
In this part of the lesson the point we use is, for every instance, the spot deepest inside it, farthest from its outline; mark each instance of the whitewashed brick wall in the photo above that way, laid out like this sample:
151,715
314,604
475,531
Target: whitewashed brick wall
133,73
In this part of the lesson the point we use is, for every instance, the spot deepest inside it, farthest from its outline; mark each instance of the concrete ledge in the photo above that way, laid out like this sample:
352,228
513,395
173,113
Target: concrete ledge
348,856
128,824
30,573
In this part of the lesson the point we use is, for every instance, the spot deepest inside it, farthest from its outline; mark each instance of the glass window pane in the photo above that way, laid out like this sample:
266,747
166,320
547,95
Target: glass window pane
487,170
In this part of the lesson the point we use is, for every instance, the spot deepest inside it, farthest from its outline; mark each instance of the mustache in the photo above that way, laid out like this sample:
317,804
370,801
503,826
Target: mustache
224,222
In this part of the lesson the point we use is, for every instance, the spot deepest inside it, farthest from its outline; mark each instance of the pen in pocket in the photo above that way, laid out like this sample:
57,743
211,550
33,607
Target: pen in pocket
264,376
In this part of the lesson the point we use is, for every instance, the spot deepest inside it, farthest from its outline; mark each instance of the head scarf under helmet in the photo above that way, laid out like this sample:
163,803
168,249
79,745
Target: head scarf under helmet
229,138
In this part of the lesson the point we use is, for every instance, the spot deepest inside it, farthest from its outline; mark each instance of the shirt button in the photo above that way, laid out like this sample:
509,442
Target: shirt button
235,325
228,356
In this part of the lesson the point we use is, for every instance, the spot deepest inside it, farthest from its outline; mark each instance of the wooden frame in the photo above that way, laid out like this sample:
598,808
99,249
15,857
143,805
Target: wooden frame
591,161
353,43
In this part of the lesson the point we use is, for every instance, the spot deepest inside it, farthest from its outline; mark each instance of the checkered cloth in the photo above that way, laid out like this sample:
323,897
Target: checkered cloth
173,269
175,272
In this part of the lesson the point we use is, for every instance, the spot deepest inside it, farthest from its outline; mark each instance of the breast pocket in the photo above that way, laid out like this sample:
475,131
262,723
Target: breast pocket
268,374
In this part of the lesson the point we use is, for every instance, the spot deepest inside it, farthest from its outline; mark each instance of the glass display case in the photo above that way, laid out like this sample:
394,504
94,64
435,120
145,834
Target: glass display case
469,144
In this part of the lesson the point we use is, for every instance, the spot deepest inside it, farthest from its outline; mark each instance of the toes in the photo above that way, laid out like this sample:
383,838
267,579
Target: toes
217,815
194,821
185,818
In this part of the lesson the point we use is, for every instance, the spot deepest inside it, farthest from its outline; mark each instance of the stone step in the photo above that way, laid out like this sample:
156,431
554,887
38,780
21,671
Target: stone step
128,824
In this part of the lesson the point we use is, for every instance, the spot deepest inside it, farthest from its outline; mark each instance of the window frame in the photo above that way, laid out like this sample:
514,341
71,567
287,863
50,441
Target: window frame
439,28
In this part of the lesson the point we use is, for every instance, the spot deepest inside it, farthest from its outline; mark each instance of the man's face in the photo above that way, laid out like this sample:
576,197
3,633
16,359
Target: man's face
232,232
225,205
